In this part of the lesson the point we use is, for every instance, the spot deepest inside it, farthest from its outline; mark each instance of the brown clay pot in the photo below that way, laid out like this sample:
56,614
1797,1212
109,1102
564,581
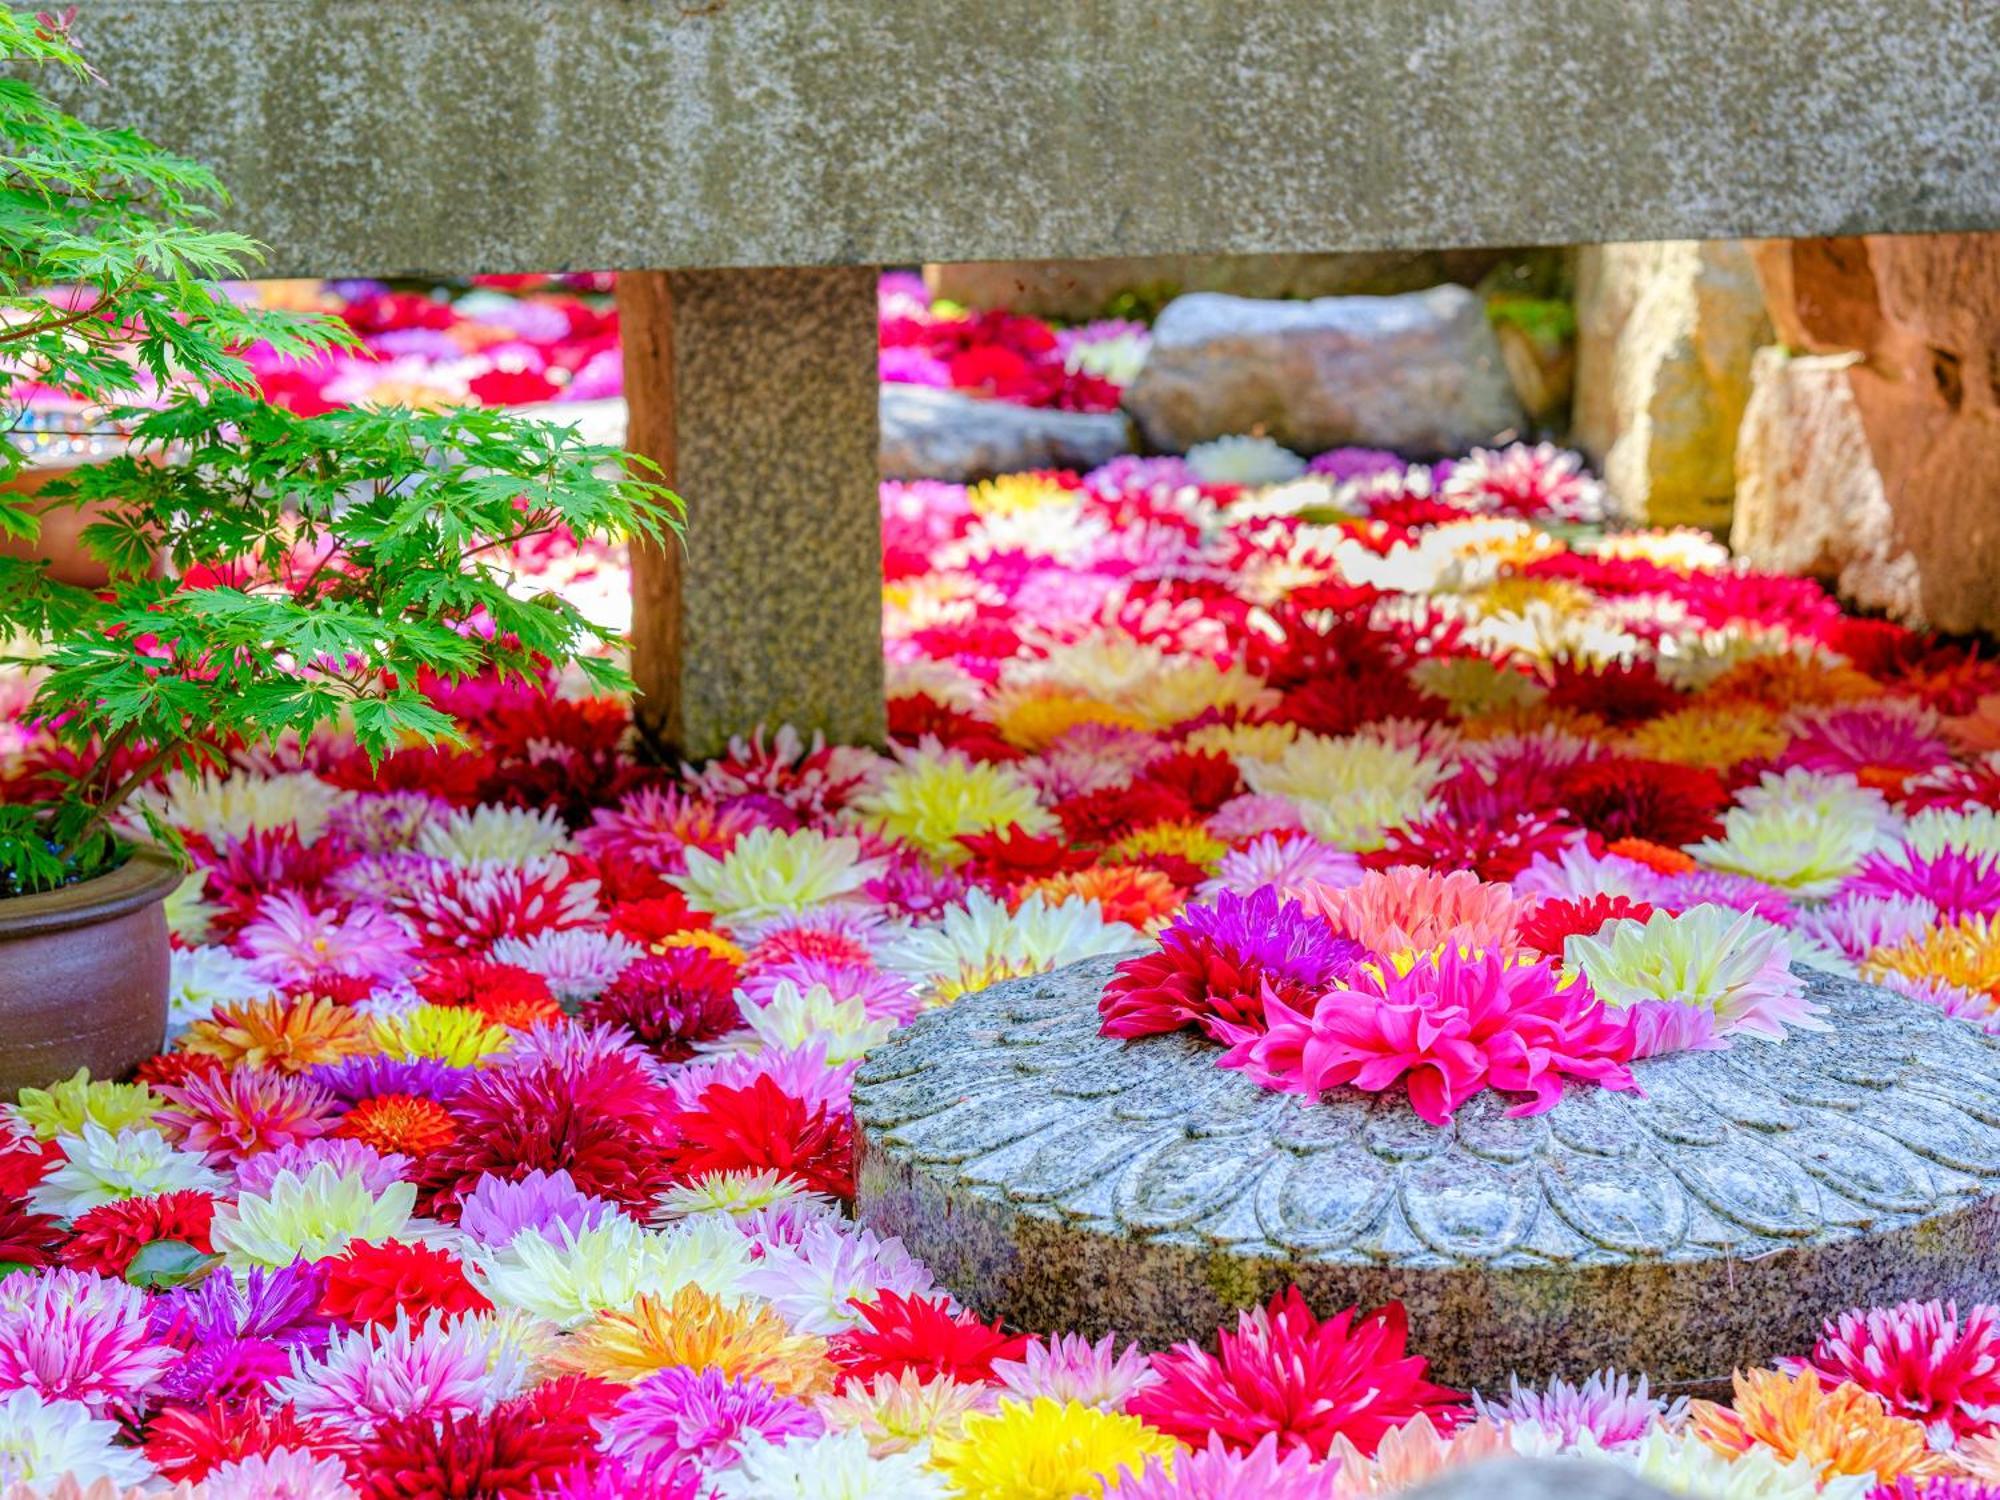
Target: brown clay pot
84,974
60,542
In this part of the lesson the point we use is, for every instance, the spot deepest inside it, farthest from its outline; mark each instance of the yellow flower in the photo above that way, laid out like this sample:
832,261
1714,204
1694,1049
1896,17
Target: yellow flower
459,1036
707,938
1011,493
1717,736
1190,840
1035,720
63,1108
1242,742
1844,1430
895,1413
935,795
1965,953
1473,685
700,1332
1049,1450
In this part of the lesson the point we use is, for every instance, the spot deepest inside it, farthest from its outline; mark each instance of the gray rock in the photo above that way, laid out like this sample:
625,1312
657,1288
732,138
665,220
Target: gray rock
1421,373
1059,1179
1538,1479
936,434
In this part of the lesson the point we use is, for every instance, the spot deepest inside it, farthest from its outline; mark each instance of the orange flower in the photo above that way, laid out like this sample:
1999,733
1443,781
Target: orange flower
1845,1430
403,1123
701,1332
1132,894
288,1032
518,1011
1653,856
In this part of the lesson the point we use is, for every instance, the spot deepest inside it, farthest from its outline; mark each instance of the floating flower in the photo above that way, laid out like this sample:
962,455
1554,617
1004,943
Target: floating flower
99,1167
1027,1449
1068,1367
1923,1361
1284,1372
382,1283
65,1108
768,870
828,1278
375,1374
293,943
835,1467
579,1274
541,1203
1735,966
1839,1429
1607,1406
290,1473
511,835
1350,791
1688,1466
696,1330
288,1033
981,941
678,1413
1411,910
441,1033
313,1216
77,1336
44,1441
105,1239
227,1115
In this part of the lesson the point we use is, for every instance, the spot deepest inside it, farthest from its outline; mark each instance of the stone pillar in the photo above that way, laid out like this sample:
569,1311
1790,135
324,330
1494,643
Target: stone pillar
1874,459
754,390
1665,332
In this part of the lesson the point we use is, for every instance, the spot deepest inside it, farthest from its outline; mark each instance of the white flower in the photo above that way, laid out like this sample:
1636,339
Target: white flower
1733,964
99,1168
980,942
769,870
508,834
836,1467
229,807
797,1018
373,1373
1244,461
1688,1466
578,963
205,977
1834,795
190,914
281,1474
607,1266
816,1283
1807,850
1967,830
313,1217
1352,789
42,1441
738,1193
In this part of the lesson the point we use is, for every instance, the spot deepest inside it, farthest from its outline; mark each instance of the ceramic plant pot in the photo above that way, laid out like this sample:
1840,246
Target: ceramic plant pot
60,542
83,975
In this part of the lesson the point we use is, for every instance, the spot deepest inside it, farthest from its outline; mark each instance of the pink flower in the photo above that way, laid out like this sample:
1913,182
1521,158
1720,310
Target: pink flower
1068,1367
230,1114
292,943
1216,1473
1411,910
1924,1360
701,1414
1453,1024
1285,1374
77,1336
470,903
652,829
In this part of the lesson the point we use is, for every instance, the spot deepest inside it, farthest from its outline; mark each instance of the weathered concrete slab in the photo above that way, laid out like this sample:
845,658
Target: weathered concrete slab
1060,1179
373,136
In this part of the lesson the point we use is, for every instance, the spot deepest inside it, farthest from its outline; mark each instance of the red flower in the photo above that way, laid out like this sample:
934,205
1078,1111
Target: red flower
188,1441
28,1238
1655,800
25,1161
400,1124
172,1069
108,1236
1101,817
1493,849
1548,924
503,1455
921,1334
372,1283
763,1127
456,980
1618,692
1012,855
655,918
1207,779
1285,1372
511,387
671,1000
1924,1360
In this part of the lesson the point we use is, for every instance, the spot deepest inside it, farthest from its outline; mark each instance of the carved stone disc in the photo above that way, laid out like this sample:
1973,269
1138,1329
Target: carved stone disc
1063,1180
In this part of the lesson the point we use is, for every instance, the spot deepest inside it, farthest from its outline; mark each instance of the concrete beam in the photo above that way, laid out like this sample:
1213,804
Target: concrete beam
375,136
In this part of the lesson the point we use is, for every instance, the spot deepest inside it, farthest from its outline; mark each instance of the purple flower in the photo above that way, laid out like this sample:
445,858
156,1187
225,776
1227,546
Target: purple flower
1280,937
353,1079
347,1157
1343,464
684,1413
1719,888
495,1212
281,1305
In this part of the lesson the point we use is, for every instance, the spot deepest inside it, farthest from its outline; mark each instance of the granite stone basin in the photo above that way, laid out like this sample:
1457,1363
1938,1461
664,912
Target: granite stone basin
1060,1179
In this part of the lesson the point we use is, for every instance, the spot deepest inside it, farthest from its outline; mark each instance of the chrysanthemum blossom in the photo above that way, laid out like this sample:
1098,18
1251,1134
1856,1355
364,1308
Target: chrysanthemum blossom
1284,1372
1449,1025
1520,480
1805,850
770,870
65,1108
1733,964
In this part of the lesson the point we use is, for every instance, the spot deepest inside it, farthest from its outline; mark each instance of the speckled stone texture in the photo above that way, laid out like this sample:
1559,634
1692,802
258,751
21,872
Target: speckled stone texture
929,433
373,136
1060,1179
773,614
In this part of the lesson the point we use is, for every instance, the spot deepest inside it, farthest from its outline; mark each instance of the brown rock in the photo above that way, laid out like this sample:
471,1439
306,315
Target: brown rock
1665,332
1921,317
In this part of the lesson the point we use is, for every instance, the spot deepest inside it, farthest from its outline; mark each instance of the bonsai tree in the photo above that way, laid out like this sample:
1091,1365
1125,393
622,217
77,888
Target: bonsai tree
270,574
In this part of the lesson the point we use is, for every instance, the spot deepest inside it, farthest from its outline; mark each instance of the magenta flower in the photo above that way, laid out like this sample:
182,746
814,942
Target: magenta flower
680,1413
293,943
77,1336
1068,1367
1453,1024
1265,1472
1923,1359
1958,882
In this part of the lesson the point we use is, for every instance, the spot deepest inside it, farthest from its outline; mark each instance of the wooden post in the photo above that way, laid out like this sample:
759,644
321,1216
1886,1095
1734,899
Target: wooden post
755,391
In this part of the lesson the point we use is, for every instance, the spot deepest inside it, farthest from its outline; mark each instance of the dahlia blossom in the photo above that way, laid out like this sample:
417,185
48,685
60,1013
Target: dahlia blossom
201,978
76,1336
507,834
99,1167
836,1467
981,941
44,1441
769,870
1923,1360
577,964
346,1157
1955,882
374,1373
312,1217
1448,1025
826,1278
228,1115
293,943
1735,966
1044,1447
1838,1429
540,1203
281,1474
1689,1466
1216,1473
794,1018
65,1108
1411,910
1290,864
1608,1407
739,1194
899,1413
933,796
576,1275
679,1413
1068,1367
1287,1373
